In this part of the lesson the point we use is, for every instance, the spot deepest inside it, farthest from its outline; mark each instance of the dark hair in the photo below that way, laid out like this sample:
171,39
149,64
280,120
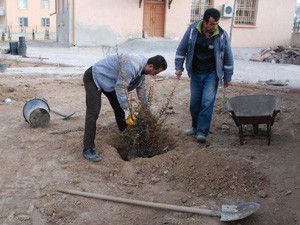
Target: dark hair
212,12
158,61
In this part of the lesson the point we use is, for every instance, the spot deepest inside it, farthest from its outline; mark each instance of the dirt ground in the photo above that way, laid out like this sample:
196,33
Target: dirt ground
37,162
21,63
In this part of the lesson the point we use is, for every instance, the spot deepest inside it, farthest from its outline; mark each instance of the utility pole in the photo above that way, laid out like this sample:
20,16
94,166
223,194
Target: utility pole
232,21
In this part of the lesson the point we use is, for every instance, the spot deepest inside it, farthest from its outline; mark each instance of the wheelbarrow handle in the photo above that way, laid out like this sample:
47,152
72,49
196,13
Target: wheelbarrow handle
277,106
155,205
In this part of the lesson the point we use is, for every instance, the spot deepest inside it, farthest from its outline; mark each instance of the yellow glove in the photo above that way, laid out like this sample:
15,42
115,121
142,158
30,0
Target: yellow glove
130,119
134,117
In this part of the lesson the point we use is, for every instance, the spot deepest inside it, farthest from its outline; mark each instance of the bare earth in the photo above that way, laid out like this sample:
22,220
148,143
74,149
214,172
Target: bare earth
16,63
37,162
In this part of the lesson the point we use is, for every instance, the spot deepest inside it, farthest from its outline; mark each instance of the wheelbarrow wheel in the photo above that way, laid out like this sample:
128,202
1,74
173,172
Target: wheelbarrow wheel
241,134
269,133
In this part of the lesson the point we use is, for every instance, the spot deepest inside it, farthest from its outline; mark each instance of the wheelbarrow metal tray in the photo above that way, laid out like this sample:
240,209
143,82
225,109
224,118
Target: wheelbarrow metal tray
254,109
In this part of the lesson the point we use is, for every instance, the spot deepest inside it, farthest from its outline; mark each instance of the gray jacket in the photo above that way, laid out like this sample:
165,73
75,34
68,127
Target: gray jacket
121,73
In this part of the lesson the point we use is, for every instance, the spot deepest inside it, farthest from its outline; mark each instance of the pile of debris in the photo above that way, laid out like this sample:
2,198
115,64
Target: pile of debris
279,54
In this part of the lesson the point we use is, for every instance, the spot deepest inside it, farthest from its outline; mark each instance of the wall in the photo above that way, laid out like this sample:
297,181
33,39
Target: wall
176,20
107,22
2,23
274,24
3,18
35,13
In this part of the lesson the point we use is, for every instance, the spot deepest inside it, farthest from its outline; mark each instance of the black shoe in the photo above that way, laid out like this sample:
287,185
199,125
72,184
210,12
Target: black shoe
91,155
201,138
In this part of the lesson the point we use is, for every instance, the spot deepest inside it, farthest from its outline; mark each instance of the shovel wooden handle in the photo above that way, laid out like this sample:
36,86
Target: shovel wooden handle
155,205
57,113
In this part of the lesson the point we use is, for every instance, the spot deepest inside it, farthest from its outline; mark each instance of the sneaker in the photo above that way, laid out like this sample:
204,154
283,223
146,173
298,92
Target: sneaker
201,138
191,132
91,155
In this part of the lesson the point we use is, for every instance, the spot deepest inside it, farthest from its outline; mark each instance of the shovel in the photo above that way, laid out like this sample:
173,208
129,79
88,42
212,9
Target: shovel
65,116
227,212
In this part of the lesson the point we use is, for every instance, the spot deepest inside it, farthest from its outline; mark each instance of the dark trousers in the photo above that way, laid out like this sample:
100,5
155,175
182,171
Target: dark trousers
93,106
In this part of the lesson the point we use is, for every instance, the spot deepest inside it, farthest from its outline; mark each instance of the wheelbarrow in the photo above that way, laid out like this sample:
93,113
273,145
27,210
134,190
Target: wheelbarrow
255,110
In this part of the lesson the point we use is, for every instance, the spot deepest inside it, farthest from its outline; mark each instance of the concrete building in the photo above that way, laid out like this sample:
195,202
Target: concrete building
257,23
22,17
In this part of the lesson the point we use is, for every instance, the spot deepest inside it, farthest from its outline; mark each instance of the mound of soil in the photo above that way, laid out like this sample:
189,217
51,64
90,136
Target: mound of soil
211,175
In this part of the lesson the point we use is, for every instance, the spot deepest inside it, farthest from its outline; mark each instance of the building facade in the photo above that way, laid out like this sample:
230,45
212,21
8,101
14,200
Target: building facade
257,23
30,18
106,22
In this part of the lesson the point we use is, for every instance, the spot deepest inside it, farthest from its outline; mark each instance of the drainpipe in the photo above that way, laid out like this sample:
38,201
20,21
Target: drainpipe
73,24
5,18
232,21
55,12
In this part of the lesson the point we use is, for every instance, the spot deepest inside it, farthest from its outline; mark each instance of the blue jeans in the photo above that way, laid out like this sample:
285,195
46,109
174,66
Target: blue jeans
203,95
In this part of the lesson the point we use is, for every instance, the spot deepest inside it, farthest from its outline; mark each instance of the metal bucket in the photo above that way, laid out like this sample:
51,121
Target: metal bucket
37,113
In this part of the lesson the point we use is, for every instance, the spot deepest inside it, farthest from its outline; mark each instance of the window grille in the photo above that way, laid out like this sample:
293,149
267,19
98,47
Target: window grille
198,9
23,21
46,22
246,12
45,4
22,4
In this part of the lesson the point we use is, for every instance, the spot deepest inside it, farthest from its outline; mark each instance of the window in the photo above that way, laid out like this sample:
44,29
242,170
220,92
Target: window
198,8
45,4
46,22
22,4
246,12
23,21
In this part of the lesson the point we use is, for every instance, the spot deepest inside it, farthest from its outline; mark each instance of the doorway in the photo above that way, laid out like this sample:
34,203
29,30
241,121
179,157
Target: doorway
154,18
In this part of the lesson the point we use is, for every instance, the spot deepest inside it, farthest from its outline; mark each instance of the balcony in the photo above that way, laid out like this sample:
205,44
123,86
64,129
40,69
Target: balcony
2,11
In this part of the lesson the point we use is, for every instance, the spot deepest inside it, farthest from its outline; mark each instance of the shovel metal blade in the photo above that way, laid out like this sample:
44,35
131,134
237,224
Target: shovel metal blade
68,116
239,211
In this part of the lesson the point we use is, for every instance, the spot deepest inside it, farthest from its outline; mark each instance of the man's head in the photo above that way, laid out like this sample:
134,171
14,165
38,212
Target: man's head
211,20
155,65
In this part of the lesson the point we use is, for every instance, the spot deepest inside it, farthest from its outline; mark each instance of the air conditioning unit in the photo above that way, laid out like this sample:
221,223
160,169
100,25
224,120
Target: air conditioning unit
227,10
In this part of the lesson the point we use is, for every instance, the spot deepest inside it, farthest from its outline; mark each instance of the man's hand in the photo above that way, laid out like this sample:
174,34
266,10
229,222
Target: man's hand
130,119
226,84
178,74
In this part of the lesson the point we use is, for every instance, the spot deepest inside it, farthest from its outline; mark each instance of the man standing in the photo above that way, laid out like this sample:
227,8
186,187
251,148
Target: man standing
114,76
209,62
